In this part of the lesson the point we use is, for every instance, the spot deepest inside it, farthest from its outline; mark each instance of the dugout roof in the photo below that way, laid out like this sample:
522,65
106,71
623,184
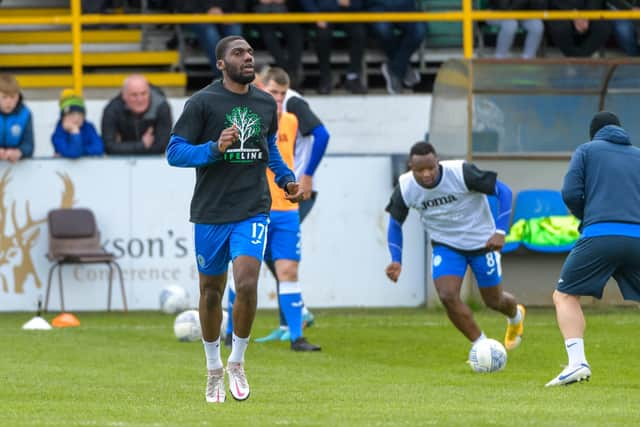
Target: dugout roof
529,108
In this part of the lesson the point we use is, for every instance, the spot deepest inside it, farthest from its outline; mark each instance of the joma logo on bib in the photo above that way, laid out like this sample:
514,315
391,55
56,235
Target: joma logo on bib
438,201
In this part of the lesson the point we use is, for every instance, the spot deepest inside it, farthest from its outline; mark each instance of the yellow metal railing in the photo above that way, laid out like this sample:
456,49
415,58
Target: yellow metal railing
467,16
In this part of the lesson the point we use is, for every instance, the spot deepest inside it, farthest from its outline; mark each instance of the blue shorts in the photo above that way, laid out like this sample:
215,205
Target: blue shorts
217,244
283,238
594,260
449,262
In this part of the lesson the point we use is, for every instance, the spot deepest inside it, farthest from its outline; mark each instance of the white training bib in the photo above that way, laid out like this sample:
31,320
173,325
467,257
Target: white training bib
304,144
450,212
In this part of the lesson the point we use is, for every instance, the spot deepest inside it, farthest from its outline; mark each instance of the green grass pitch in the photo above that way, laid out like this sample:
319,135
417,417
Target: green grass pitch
400,367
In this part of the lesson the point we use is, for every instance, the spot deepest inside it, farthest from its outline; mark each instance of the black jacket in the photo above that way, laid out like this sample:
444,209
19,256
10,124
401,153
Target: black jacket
622,4
518,4
577,4
202,6
122,130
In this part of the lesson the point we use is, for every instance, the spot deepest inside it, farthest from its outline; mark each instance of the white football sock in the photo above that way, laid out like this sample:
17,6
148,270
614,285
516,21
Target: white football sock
515,319
238,347
575,351
480,338
212,353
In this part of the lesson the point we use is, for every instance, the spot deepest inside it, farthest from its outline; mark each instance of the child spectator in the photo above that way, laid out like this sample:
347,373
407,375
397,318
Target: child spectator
74,136
16,125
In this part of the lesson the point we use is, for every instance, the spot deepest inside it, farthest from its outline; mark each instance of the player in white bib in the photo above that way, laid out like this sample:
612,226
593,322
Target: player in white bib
451,197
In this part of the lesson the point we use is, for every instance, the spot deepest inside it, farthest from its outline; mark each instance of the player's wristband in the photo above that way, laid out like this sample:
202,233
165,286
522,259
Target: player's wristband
504,233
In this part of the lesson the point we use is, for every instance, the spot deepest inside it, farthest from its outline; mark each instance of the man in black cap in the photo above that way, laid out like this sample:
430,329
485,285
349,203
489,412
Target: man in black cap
602,189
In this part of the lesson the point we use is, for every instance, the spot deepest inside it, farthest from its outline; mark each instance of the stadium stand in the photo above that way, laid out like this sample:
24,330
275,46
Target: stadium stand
40,55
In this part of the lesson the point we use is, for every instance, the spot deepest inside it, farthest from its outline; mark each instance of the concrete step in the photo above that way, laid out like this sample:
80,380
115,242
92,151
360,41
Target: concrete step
64,36
104,59
98,80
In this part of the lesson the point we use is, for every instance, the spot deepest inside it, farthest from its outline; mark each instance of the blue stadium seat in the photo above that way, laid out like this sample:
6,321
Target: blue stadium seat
540,203
537,203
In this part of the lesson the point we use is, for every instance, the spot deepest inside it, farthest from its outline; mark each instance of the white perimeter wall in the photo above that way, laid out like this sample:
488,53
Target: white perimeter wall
358,124
142,209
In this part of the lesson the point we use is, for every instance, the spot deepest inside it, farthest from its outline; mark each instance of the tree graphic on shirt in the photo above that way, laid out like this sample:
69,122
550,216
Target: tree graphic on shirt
246,121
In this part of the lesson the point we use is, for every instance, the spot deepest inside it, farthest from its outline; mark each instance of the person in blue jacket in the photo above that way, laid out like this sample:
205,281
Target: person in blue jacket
16,125
601,189
75,136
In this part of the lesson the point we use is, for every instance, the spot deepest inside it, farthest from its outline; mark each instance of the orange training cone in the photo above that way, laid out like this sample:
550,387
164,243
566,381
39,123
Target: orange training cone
65,320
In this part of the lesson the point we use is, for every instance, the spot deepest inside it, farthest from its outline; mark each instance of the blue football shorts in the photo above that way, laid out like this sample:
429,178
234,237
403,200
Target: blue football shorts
449,262
283,238
217,244
594,260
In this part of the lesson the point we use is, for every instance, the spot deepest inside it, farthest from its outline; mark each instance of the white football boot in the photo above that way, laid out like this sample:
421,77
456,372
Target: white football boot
215,386
571,374
238,385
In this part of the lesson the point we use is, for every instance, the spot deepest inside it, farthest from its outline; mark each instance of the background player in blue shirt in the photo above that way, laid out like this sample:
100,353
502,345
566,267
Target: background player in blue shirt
227,131
311,144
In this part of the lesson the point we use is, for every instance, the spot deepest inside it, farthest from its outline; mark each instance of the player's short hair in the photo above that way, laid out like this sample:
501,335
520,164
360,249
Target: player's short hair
223,45
9,85
422,149
276,74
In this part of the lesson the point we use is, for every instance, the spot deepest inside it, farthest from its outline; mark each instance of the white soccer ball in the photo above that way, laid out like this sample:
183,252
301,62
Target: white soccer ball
187,326
174,299
487,355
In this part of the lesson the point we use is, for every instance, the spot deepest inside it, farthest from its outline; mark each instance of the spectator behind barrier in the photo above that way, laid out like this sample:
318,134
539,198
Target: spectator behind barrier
210,34
138,120
324,32
397,70
624,30
579,37
286,51
509,27
97,6
16,124
74,136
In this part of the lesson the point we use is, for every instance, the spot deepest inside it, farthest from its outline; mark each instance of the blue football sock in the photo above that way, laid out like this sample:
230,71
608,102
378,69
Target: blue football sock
291,305
232,298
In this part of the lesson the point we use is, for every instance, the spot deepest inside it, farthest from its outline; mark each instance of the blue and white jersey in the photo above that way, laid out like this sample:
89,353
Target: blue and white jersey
452,213
304,140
